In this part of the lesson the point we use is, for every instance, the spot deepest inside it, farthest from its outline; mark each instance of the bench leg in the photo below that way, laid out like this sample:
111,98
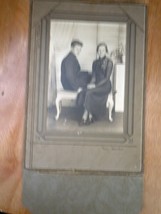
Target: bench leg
58,108
110,112
110,105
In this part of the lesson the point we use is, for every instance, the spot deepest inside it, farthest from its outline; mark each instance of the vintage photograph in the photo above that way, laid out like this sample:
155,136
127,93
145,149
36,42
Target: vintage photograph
86,84
85,107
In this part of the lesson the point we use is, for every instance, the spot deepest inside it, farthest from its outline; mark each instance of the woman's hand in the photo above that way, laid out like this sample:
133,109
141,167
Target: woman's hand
79,90
91,85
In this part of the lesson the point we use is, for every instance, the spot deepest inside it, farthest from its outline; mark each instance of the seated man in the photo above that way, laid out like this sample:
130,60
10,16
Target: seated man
72,78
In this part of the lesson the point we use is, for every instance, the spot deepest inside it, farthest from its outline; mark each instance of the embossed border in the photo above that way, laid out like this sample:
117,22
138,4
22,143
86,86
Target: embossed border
98,153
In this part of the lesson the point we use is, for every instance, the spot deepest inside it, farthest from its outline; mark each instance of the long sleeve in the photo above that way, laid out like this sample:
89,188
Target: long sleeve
102,69
70,69
109,69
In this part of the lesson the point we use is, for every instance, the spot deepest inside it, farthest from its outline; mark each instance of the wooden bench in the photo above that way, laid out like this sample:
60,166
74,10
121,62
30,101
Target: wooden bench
63,95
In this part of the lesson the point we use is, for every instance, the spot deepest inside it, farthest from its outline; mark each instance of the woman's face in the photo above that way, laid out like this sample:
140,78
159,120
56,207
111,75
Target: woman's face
101,51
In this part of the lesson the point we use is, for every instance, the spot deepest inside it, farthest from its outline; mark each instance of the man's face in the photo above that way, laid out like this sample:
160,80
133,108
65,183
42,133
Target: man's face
76,50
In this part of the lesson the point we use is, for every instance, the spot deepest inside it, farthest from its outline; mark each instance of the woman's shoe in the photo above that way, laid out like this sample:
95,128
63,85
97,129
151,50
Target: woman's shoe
91,120
84,122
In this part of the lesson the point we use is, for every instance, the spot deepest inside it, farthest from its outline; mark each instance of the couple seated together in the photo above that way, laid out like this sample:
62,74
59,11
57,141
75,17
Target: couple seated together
93,88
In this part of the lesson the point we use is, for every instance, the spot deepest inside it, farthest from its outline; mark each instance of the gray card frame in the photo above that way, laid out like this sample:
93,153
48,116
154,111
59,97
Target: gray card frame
97,153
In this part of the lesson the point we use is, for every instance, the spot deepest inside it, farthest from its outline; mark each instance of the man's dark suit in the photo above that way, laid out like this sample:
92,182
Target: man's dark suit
72,77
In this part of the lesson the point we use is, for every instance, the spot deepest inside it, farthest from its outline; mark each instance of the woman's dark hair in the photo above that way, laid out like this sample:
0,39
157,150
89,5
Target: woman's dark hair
102,44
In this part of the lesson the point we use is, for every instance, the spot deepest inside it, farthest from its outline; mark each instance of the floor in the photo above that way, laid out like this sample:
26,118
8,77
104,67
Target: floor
70,117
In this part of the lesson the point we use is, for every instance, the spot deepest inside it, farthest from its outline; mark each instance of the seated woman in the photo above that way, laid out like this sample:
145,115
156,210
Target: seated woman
100,87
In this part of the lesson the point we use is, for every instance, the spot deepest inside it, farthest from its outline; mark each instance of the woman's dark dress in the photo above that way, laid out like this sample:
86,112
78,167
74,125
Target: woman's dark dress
95,101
